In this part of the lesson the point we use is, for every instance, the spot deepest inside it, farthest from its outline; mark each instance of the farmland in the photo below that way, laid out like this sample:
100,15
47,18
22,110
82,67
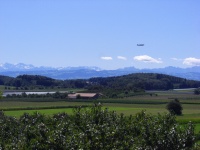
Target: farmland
153,102
156,103
95,128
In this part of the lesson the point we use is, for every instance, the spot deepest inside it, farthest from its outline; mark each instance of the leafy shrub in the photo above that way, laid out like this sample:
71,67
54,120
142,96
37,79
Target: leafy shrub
95,128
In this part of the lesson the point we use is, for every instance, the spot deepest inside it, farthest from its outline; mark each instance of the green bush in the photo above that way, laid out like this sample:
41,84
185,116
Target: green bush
95,128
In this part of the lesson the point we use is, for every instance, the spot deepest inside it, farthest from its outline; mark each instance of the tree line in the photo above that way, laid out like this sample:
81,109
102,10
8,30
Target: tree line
119,86
56,95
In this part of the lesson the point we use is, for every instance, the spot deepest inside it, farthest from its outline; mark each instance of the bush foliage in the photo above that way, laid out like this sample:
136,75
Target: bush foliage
95,128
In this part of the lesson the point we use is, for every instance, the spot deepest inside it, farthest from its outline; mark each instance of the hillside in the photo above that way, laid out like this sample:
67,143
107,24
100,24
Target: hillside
6,80
131,82
129,85
147,81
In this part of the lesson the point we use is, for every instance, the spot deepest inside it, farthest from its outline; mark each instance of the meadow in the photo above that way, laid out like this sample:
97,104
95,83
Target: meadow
154,102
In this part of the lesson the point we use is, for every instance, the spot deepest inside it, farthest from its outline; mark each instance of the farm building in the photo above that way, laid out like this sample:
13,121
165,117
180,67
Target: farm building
83,95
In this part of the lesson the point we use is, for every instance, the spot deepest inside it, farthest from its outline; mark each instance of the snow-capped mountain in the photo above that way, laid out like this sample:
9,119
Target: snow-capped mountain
85,72
17,67
28,67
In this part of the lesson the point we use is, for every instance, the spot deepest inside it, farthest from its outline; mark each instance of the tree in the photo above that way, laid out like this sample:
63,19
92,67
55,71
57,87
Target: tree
1,94
56,95
175,107
78,96
197,91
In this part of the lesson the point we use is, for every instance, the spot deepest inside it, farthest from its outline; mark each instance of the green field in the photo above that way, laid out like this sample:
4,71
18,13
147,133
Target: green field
152,104
128,106
191,112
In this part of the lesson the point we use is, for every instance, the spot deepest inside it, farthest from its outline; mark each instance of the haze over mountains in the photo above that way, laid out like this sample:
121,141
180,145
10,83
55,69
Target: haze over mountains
86,72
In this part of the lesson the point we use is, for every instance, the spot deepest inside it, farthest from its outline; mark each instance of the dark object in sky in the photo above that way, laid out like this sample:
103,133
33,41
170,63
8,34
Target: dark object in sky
140,44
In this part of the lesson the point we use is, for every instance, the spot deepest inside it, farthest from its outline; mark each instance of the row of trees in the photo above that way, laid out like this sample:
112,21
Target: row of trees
56,95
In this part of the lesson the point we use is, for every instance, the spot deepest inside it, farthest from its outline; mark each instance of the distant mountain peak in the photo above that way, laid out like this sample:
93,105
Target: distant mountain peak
15,67
24,67
83,72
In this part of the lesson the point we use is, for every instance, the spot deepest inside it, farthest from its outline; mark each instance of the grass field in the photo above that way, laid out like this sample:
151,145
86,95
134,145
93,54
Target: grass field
152,104
191,112
128,106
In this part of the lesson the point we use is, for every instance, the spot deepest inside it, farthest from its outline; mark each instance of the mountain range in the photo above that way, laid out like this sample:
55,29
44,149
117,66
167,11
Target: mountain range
86,72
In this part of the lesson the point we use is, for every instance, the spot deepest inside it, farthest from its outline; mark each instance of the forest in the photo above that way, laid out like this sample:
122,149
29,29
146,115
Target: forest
117,86
147,81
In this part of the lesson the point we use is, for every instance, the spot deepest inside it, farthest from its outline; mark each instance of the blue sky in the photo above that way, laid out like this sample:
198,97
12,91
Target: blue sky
102,33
